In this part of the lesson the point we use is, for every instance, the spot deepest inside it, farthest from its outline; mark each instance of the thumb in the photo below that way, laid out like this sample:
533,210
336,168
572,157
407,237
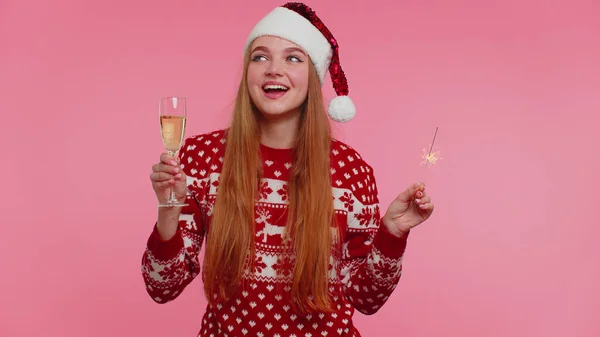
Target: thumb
408,194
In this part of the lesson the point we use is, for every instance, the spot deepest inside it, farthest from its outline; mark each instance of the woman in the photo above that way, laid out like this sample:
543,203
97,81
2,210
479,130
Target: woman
294,238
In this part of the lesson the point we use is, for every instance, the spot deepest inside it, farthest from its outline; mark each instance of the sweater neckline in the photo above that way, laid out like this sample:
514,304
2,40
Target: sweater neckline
276,154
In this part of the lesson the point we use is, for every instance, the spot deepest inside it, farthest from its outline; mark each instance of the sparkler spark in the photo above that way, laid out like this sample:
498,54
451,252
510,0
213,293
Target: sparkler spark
430,157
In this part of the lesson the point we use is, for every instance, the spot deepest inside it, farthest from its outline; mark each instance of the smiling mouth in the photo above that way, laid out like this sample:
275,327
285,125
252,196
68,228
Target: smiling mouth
274,91
275,88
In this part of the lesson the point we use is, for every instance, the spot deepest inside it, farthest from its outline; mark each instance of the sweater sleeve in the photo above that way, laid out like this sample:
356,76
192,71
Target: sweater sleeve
169,266
372,257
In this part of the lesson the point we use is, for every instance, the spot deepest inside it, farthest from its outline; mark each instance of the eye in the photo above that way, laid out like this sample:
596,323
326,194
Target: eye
294,59
259,57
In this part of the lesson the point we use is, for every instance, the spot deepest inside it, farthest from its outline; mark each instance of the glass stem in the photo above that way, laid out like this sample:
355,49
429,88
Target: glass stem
172,198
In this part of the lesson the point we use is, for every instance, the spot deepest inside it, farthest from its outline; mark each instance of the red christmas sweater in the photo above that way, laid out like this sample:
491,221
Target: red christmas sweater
362,279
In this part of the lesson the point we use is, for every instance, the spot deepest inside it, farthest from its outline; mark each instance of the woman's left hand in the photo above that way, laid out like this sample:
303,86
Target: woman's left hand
408,210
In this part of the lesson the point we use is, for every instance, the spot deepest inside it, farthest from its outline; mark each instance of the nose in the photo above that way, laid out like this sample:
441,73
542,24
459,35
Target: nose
275,68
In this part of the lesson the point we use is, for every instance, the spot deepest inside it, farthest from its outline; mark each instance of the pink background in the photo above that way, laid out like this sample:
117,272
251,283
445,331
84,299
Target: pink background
514,87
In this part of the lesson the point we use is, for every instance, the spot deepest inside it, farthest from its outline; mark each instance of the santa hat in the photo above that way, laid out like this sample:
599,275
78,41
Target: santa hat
299,24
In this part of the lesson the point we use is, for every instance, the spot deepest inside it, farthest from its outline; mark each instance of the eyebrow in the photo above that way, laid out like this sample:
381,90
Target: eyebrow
289,50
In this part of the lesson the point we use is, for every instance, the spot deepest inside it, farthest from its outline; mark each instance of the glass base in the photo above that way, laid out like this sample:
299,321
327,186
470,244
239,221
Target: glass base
173,204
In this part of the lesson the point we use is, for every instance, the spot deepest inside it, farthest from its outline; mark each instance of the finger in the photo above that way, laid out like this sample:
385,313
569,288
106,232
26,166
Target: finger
426,206
164,184
418,187
423,200
410,192
158,167
162,176
167,159
406,195
162,167
166,168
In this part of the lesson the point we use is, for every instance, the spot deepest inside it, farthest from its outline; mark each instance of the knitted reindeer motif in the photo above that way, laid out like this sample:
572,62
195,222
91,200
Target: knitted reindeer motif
269,229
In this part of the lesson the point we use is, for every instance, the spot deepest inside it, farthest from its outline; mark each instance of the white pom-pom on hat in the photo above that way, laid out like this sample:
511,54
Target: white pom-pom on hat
341,109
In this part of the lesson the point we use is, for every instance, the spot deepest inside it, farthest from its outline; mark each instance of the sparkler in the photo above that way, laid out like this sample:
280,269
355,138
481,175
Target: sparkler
431,157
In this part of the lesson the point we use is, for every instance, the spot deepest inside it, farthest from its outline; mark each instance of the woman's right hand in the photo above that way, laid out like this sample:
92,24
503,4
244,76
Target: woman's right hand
167,175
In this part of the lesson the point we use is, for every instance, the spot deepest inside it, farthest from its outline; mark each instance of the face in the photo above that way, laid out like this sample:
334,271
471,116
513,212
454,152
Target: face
277,76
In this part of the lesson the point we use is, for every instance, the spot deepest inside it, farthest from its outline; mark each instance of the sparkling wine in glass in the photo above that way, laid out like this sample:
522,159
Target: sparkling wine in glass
172,113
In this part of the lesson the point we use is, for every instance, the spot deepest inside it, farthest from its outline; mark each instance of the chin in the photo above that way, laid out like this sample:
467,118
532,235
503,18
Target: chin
278,113
274,110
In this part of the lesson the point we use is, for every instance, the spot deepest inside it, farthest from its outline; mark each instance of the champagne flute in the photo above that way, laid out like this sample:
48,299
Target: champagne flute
172,114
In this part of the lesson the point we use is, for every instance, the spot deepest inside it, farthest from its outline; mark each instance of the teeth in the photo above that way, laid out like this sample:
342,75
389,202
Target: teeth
274,87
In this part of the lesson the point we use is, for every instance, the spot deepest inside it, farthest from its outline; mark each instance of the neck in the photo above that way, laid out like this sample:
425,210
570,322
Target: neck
280,133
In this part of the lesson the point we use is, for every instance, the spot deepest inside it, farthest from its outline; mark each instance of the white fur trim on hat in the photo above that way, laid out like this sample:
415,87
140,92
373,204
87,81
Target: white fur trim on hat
289,25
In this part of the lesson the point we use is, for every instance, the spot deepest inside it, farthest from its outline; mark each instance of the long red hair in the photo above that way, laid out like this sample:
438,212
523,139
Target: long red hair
230,241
